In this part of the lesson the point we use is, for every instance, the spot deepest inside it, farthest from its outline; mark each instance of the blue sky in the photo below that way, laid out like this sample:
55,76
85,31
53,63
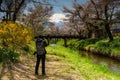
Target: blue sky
58,4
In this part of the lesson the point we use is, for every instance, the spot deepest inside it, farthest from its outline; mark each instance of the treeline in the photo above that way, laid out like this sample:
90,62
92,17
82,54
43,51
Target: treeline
94,18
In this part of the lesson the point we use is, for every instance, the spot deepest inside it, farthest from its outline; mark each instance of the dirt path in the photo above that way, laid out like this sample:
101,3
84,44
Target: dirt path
56,69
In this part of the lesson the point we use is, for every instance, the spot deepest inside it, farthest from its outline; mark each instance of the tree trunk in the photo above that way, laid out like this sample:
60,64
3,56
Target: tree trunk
107,28
65,42
89,34
17,9
14,18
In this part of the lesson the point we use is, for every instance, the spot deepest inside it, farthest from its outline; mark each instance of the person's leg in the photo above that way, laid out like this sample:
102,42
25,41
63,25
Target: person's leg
37,64
43,64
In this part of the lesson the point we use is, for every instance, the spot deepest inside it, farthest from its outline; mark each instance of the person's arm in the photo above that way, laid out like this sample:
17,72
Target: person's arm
45,43
36,49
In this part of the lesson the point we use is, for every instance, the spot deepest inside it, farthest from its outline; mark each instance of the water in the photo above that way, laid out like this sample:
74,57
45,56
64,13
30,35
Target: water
113,65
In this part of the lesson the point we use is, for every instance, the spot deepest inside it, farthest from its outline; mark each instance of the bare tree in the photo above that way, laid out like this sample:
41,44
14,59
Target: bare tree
11,8
38,17
94,14
79,19
104,10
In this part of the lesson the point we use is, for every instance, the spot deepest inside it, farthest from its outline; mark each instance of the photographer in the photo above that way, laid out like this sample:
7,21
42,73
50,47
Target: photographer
40,54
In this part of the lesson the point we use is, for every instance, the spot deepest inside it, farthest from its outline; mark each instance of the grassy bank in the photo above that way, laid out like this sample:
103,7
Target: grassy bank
98,46
84,67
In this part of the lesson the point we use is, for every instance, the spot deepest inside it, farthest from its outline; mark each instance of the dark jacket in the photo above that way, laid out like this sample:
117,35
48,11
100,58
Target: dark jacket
40,47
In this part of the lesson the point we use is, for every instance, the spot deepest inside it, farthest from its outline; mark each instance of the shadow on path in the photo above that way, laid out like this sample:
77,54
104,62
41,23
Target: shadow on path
17,71
55,70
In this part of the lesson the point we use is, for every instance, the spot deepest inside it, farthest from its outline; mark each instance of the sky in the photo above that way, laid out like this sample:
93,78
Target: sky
58,14
58,4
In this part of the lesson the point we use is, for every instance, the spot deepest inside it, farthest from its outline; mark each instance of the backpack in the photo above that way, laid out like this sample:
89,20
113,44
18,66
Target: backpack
40,47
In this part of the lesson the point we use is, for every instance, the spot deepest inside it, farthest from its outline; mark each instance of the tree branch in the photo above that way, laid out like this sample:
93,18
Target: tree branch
97,13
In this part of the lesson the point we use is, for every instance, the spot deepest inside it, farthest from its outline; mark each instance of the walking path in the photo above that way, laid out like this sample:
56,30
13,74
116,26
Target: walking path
56,69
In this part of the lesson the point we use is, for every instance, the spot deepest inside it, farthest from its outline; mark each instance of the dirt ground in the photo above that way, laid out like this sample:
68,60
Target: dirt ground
56,69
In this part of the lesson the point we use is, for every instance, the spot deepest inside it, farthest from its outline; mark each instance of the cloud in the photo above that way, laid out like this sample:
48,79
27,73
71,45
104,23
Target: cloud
57,17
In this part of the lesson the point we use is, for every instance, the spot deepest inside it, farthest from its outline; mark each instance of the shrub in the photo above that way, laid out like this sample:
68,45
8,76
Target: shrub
102,44
13,35
8,55
26,48
60,42
72,43
83,43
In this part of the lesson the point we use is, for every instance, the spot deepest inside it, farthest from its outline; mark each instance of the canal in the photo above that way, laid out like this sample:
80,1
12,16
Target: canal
112,64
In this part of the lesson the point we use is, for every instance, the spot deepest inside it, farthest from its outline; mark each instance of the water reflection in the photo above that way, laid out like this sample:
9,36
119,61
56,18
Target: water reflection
113,65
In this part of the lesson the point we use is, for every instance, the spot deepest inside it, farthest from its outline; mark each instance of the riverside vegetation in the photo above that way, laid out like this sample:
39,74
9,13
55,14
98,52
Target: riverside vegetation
61,63
97,46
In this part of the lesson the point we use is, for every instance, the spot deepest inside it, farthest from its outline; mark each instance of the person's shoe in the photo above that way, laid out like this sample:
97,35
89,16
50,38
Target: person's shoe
43,74
36,73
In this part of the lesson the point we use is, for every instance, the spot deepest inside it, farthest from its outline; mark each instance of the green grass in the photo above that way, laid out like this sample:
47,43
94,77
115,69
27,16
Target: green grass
84,67
103,46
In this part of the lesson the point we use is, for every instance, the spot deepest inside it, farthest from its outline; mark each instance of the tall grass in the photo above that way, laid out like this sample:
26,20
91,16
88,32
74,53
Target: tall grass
112,48
85,68
97,45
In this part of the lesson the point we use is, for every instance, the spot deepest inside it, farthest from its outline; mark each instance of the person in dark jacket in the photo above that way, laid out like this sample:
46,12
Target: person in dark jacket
41,54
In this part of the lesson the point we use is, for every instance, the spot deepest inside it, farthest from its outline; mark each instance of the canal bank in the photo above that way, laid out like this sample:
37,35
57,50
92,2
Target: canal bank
98,46
115,56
